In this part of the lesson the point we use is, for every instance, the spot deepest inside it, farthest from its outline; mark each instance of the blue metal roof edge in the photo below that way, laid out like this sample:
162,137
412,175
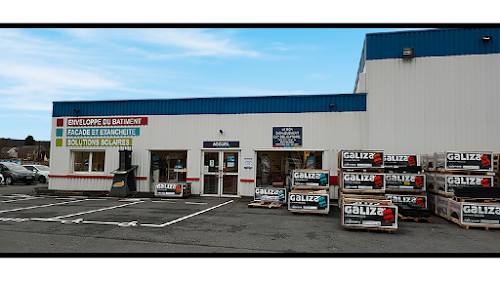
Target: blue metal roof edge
433,42
217,105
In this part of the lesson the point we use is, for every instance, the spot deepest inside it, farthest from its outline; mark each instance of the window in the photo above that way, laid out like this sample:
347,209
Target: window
88,161
274,167
168,166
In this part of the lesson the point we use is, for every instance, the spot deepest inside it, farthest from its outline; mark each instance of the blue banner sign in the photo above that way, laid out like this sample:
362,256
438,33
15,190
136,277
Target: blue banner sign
221,144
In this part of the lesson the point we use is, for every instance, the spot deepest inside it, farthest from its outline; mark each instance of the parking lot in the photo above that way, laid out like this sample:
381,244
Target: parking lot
200,225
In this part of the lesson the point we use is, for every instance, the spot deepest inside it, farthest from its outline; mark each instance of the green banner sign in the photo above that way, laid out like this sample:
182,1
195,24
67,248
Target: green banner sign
99,142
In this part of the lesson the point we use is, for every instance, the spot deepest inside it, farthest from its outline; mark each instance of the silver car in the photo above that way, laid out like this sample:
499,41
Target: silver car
41,172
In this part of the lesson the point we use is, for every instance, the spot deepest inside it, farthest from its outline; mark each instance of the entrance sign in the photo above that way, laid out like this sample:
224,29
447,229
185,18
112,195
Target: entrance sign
221,144
287,136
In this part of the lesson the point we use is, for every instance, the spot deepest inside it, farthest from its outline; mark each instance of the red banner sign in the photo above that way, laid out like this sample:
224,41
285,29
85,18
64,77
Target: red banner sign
114,121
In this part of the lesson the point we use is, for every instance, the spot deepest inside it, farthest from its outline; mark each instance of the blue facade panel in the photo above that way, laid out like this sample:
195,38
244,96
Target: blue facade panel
233,105
435,42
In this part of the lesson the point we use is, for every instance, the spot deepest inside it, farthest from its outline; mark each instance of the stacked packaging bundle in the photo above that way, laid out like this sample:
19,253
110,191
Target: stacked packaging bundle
463,190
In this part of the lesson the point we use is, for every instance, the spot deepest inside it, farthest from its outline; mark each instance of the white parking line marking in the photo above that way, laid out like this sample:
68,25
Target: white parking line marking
196,203
41,206
14,200
188,216
94,211
163,202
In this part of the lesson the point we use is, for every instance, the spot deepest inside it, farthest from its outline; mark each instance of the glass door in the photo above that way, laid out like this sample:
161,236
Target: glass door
220,173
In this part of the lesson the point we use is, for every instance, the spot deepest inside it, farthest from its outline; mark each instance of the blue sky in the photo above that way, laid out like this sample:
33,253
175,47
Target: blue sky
42,65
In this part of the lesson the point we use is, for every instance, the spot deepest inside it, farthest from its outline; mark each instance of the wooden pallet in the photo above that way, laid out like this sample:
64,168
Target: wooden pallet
468,226
366,191
368,229
309,212
464,172
415,219
265,205
476,200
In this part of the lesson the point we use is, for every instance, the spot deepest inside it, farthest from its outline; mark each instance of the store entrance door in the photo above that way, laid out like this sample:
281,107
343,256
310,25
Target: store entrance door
220,173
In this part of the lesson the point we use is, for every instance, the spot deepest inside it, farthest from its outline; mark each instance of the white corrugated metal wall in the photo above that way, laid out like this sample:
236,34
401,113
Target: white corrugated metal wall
428,104
324,131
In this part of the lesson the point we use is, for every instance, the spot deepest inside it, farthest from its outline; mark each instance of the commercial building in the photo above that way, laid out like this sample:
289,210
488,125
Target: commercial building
416,92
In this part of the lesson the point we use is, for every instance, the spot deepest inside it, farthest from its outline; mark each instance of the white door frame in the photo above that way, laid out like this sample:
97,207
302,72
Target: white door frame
220,173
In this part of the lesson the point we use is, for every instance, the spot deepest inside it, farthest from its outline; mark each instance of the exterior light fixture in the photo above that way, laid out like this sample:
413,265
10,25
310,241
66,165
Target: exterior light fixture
332,104
221,132
486,38
408,53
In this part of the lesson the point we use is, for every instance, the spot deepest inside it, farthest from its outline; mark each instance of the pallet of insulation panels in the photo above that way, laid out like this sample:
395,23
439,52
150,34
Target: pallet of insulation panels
342,196
369,214
405,182
472,162
411,206
474,214
310,191
361,160
309,201
446,184
362,183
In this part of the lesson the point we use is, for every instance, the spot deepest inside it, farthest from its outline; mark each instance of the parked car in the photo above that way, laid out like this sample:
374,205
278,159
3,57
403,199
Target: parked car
13,172
1,179
41,172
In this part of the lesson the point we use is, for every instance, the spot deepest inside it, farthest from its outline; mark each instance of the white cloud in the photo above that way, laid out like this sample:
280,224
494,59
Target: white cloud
177,42
34,87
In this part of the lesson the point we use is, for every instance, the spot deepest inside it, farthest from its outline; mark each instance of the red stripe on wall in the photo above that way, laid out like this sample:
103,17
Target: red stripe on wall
334,180
244,180
89,177
192,179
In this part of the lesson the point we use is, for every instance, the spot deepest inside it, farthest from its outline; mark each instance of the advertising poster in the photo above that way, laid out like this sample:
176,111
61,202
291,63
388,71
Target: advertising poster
247,163
287,136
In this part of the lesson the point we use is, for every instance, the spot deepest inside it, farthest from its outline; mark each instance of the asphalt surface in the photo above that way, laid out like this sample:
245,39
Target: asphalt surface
194,225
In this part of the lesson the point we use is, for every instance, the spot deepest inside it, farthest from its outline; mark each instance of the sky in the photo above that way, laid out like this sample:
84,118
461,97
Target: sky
43,65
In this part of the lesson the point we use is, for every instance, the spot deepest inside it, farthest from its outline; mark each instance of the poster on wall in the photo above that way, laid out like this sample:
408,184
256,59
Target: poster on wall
287,136
248,163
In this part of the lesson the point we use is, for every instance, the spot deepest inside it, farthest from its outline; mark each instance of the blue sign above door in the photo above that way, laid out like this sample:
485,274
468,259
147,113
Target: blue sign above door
221,144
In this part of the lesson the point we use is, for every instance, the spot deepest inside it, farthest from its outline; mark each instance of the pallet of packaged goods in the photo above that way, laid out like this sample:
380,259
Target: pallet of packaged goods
309,201
182,189
402,163
312,178
343,196
354,160
492,192
474,215
465,162
270,194
271,204
310,191
362,183
405,182
441,208
369,215
430,182
447,184
411,206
